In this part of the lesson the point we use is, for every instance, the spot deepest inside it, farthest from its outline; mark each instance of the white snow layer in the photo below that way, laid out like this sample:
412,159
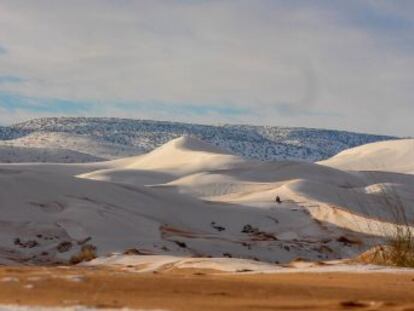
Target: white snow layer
190,199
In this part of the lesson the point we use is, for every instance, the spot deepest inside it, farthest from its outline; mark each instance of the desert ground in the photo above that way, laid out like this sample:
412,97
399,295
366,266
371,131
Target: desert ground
198,290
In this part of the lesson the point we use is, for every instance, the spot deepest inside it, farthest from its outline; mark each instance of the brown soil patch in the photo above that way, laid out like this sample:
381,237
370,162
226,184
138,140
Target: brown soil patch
202,290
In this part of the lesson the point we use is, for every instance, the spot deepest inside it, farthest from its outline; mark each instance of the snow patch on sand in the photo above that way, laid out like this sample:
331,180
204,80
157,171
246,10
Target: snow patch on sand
143,264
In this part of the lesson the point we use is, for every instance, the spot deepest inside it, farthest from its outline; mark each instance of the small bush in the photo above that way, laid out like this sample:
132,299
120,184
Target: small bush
397,248
400,248
86,253
64,246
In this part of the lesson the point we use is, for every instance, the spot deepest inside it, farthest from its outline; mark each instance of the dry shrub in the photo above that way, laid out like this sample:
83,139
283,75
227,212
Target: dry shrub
86,253
400,248
397,251
397,246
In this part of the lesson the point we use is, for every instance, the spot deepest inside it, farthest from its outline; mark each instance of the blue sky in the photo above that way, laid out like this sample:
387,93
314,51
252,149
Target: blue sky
14,102
316,63
10,79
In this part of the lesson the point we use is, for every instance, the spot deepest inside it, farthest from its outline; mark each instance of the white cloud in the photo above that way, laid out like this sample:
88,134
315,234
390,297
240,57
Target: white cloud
314,58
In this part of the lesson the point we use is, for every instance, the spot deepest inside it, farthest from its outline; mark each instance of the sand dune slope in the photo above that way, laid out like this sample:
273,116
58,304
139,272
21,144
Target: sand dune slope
188,198
48,217
179,157
392,156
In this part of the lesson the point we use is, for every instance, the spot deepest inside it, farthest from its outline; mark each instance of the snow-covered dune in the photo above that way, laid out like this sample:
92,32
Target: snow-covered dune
392,156
344,199
48,217
182,156
179,157
189,198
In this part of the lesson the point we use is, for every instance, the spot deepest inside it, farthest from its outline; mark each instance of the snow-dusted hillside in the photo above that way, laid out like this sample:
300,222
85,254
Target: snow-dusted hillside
112,138
69,142
17,154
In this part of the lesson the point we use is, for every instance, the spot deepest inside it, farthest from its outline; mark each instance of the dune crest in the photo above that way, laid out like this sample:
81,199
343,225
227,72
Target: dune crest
391,156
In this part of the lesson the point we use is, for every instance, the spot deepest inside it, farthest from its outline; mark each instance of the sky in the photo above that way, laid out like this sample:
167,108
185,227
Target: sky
313,63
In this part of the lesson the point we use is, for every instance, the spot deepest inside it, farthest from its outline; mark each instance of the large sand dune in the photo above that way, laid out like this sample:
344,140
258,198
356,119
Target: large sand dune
188,198
392,156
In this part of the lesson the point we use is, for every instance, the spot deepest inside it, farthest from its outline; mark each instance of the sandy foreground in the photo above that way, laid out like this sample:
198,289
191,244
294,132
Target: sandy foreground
204,290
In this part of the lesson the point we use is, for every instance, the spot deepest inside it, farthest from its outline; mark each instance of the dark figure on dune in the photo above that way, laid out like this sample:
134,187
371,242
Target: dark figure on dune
278,200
